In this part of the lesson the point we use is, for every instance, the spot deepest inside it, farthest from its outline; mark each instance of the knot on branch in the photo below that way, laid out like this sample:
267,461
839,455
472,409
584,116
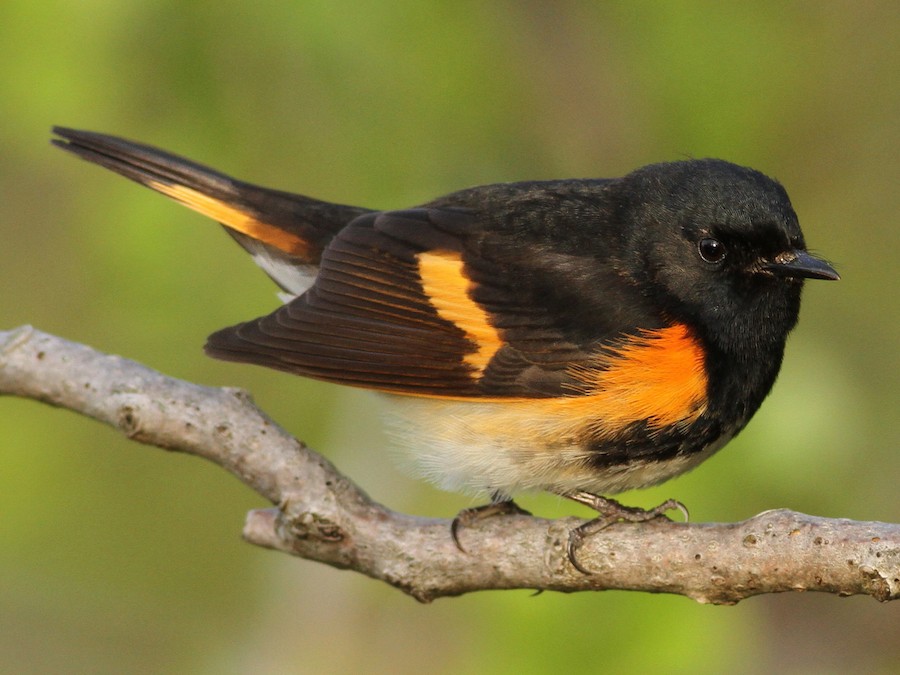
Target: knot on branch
128,421
308,525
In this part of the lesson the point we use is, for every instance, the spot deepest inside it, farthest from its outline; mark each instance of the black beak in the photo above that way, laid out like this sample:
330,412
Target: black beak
800,265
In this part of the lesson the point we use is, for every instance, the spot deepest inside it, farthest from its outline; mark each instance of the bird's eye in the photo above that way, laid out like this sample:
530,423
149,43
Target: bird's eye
711,250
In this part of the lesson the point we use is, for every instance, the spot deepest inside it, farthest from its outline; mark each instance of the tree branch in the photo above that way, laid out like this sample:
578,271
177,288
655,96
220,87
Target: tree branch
323,516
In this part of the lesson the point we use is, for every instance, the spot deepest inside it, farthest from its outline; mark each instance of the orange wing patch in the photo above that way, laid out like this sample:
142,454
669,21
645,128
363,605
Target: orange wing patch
658,377
446,285
233,217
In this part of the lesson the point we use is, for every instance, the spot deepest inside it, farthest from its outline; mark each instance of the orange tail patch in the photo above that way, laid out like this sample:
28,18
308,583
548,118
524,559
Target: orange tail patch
233,217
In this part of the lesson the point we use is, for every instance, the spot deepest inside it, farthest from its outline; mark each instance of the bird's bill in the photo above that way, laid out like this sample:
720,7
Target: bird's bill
801,265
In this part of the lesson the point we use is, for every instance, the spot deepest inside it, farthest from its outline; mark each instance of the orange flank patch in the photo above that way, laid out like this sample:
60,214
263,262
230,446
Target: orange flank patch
233,217
658,377
447,287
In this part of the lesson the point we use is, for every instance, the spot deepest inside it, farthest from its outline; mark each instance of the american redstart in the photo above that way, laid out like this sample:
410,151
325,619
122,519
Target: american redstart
581,337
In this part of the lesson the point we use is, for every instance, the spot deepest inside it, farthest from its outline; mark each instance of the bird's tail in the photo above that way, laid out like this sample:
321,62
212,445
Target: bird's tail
285,233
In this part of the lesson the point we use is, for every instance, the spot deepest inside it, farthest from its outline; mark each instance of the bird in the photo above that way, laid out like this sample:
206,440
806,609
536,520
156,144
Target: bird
581,337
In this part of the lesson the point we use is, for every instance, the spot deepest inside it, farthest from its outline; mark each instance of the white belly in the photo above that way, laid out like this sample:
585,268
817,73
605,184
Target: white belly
484,447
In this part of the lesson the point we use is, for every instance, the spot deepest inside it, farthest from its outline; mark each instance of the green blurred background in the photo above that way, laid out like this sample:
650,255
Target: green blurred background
116,557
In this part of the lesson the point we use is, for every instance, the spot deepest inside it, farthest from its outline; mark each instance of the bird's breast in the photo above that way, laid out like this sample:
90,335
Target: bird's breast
649,388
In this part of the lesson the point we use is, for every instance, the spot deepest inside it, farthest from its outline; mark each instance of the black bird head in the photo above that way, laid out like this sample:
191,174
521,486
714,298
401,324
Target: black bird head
720,242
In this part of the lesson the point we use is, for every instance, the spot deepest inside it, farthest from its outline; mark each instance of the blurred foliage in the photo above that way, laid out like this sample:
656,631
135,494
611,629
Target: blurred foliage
120,558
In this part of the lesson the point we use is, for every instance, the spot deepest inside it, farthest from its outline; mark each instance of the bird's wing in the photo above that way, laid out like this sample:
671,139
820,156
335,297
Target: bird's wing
407,302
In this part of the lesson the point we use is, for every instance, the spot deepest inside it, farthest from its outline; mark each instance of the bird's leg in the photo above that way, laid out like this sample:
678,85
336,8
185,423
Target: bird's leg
611,512
500,505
